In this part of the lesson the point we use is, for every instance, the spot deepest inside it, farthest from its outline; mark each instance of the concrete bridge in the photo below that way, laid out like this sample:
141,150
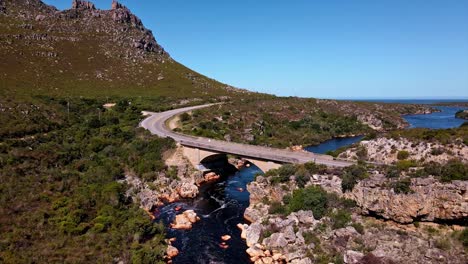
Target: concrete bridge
198,156
199,148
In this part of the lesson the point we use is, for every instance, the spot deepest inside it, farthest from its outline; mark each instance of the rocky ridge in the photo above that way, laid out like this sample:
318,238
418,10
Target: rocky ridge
300,238
385,150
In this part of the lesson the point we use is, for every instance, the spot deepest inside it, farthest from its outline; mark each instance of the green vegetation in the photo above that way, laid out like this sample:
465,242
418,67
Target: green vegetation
60,197
302,173
452,170
311,198
402,154
443,136
463,114
284,122
404,165
463,237
402,186
352,175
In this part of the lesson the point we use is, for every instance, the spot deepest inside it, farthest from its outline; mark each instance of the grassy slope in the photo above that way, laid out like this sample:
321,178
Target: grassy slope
94,58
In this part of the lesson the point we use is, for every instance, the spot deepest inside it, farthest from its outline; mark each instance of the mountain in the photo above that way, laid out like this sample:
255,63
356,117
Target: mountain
84,51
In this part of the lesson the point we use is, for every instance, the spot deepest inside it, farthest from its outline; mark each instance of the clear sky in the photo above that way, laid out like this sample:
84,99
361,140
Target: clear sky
325,49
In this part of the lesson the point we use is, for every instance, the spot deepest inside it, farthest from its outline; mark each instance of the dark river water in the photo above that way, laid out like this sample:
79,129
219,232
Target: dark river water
333,144
220,207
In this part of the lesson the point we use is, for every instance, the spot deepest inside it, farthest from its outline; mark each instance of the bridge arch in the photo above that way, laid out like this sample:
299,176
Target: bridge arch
198,156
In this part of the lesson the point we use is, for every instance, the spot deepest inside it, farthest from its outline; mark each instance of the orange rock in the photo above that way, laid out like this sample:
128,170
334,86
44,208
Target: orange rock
223,246
172,252
226,237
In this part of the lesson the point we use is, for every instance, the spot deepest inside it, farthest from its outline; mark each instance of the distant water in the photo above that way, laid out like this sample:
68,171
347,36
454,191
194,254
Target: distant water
441,120
333,144
414,101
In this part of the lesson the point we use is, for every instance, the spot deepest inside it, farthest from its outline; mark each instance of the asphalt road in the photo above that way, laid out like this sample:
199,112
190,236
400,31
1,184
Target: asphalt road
156,124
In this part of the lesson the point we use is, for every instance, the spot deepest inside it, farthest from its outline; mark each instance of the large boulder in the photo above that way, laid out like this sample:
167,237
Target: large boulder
253,233
276,240
185,220
188,190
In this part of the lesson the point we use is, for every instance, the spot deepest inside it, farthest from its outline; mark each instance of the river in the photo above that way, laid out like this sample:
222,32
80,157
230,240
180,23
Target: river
221,207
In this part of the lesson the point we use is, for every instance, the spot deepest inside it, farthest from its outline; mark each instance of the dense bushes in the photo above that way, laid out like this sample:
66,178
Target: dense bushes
352,175
301,173
452,170
402,186
311,198
61,187
444,136
402,154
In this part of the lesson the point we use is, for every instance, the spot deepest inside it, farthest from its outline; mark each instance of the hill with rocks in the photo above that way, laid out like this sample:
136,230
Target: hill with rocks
84,51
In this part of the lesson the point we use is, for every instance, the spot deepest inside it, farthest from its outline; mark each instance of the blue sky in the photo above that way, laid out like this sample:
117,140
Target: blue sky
325,49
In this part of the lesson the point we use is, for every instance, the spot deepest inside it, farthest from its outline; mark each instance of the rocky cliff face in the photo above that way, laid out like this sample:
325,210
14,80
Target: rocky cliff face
430,200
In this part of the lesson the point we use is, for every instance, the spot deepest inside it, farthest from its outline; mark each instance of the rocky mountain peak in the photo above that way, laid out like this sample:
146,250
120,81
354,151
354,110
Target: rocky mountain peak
79,4
116,5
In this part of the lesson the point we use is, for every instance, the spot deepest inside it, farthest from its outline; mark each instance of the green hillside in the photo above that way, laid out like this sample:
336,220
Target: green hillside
89,52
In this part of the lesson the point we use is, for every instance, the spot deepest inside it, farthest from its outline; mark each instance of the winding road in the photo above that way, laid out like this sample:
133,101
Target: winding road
156,124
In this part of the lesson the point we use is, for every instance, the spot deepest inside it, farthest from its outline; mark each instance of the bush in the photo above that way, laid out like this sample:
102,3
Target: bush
277,208
340,219
311,198
402,186
402,154
281,174
359,228
351,176
404,165
184,117
392,172
463,237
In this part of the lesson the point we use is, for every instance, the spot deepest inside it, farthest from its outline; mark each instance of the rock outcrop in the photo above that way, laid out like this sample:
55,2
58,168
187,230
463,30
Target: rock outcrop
385,150
430,200
185,220
77,4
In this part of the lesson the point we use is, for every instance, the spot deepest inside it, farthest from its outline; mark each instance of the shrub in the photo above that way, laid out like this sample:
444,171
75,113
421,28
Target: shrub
402,186
392,172
311,198
463,237
351,176
340,219
443,244
277,208
404,165
437,151
359,227
185,117
402,154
